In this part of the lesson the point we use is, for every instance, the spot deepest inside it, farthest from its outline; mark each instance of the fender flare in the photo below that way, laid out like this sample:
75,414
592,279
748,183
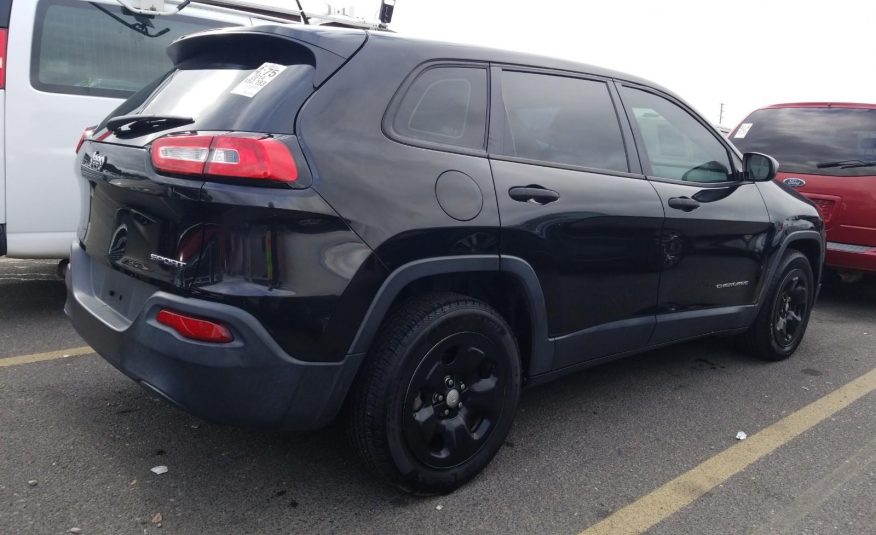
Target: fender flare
541,350
799,235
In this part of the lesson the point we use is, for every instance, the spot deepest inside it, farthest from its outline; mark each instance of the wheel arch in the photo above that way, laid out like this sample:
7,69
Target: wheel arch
808,242
500,281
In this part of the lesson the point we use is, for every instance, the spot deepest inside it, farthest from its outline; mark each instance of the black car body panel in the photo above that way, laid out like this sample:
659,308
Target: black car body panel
587,262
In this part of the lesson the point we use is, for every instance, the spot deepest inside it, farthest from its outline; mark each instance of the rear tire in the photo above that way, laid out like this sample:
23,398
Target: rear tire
437,394
784,315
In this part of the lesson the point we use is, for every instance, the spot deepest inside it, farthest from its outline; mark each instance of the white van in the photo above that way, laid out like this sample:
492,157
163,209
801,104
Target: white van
64,65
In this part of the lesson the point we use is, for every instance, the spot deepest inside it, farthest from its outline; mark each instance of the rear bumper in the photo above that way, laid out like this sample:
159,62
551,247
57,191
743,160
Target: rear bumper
250,381
851,257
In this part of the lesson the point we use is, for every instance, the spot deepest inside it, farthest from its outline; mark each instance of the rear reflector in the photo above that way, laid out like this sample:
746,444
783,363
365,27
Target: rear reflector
250,156
4,34
195,328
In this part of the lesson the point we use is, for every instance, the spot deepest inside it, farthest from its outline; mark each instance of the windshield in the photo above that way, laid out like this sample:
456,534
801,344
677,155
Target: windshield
802,138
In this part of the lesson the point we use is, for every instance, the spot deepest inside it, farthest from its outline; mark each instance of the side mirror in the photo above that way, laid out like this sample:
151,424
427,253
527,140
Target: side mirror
759,167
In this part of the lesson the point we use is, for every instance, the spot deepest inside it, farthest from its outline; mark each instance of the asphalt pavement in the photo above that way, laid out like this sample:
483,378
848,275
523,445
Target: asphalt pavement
648,441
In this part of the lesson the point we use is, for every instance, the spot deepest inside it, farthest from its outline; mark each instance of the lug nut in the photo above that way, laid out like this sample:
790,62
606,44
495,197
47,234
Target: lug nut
448,381
440,397
462,386
446,412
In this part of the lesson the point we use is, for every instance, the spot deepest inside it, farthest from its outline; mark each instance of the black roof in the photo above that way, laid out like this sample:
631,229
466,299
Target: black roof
344,42
443,49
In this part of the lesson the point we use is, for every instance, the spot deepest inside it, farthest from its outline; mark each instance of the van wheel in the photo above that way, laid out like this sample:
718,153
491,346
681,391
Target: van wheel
437,394
784,315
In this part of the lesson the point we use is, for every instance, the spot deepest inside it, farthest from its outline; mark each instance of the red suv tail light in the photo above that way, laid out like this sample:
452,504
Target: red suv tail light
4,35
825,203
250,156
194,328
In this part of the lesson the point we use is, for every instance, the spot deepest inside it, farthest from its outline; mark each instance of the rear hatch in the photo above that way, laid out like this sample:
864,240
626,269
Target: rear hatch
225,113
827,152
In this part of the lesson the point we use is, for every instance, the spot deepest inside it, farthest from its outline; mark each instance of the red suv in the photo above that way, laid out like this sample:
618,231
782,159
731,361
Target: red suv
827,152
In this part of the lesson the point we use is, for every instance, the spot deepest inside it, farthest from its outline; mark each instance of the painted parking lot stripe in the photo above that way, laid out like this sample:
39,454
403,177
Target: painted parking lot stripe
655,507
819,493
51,355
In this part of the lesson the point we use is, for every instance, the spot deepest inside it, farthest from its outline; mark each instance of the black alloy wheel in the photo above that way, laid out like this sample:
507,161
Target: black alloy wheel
454,400
781,322
790,308
437,394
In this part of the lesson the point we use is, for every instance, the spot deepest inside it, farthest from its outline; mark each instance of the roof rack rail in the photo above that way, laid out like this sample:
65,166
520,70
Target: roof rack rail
279,14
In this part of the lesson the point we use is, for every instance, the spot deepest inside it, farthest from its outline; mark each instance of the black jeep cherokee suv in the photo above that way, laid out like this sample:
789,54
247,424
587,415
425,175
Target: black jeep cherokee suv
296,221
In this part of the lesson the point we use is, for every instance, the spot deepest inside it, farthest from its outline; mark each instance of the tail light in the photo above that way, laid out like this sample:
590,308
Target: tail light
194,328
86,134
826,205
234,155
4,35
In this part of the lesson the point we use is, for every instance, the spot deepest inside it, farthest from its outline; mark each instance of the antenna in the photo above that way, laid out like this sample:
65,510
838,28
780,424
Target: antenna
303,14
721,115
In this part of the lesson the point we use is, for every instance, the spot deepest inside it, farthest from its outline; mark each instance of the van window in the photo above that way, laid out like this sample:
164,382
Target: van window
446,105
5,8
84,48
678,146
562,120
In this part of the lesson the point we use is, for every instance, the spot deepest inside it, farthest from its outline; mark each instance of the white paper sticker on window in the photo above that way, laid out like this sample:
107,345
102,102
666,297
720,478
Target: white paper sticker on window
743,130
257,81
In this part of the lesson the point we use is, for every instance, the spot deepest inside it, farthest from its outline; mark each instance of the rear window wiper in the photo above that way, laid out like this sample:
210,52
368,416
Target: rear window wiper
128,124
846,164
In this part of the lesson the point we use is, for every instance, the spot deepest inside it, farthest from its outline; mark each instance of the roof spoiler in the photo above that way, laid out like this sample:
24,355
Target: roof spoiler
330,48
163,8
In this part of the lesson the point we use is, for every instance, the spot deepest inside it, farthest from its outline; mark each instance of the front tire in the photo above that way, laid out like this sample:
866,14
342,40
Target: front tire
436,397
784,315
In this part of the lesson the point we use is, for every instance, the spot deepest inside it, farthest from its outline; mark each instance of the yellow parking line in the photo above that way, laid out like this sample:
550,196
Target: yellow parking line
655,507
51,355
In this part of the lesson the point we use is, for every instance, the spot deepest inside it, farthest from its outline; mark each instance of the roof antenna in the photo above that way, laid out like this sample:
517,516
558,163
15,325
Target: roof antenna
304,18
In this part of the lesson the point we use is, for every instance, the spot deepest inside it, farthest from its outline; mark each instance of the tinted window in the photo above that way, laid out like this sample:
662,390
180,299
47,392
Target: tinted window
95,49
5,8
677,146
801,138
446,105
562,120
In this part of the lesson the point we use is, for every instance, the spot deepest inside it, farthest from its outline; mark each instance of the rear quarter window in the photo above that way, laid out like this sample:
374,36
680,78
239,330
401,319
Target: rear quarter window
84,48
444,106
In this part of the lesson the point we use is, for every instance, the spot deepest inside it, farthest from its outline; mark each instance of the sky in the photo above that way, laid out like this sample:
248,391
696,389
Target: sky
745,54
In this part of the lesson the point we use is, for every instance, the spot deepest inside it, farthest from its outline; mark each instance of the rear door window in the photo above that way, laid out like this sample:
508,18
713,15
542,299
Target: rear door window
445,106
84,48
562,120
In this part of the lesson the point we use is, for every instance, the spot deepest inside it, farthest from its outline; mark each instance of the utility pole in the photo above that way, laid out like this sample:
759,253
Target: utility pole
721,115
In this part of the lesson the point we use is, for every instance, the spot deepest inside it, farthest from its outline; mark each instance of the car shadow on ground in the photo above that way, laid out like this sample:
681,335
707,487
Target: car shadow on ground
302,472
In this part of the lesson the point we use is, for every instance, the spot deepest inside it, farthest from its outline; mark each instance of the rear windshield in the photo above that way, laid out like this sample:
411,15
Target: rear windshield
246,98
801,138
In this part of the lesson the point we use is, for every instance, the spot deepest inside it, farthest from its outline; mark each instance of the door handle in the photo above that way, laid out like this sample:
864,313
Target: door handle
534,194
685,204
